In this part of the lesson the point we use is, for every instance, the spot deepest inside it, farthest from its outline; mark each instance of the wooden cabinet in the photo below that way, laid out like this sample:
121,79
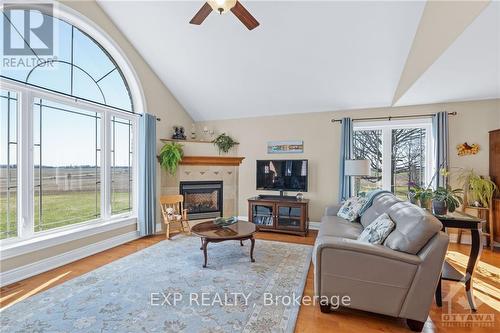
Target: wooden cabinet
495,176
279,214
496,220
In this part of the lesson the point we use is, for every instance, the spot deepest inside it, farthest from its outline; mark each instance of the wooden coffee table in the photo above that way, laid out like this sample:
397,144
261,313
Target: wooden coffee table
211,233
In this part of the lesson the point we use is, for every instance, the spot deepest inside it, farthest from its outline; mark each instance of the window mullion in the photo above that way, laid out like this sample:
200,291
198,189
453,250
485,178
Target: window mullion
386,158
106,166
25,181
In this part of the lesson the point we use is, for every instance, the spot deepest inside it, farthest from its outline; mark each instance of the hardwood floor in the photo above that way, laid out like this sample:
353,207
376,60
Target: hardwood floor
310,319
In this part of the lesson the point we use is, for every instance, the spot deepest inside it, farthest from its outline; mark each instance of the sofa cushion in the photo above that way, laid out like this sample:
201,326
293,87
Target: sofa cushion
378,230
338,227
414,227
351,207
379,206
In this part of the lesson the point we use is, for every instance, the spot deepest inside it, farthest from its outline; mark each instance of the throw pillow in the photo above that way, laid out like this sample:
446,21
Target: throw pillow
351,207
378,230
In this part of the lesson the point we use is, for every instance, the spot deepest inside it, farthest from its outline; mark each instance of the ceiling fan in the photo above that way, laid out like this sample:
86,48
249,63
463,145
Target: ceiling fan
223,6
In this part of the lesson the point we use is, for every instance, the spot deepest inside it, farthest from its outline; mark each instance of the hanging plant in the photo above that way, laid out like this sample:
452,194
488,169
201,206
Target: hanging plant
170,156
224,143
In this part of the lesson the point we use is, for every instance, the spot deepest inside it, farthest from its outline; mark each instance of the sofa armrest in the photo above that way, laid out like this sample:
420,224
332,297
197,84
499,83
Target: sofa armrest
332,210
362,247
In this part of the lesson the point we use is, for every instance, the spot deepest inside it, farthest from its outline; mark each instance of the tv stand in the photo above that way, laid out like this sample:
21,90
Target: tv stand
277,197
279,214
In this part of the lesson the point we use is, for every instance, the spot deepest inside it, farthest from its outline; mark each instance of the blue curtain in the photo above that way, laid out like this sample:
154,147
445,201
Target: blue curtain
345,190
147,175
441,145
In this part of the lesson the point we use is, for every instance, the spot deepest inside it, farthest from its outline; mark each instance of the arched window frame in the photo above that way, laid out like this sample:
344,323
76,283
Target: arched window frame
26,96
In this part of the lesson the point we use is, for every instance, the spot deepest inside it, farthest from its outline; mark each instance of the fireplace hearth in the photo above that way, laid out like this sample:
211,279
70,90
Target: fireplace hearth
202,199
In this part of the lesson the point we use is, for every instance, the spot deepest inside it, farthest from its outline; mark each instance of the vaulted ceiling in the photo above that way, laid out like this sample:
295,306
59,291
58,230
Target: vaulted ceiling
316,56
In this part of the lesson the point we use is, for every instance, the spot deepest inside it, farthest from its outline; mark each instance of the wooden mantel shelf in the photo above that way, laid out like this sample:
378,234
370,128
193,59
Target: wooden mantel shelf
212,160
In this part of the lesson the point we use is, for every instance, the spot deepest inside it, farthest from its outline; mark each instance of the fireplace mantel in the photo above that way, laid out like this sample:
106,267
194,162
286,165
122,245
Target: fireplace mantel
212,160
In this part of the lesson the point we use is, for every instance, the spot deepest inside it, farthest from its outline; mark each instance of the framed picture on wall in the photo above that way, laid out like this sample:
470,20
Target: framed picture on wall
285,147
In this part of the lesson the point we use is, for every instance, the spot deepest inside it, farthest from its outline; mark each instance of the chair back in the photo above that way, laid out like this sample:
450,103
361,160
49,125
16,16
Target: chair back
172,201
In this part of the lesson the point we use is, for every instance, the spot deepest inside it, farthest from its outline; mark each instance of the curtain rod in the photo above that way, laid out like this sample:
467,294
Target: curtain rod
394,117
142,114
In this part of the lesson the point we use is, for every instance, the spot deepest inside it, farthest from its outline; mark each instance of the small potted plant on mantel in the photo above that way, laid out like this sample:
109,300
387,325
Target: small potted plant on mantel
224,143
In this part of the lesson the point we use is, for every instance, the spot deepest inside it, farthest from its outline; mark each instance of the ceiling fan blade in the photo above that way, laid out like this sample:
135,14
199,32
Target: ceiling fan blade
244,16
202,14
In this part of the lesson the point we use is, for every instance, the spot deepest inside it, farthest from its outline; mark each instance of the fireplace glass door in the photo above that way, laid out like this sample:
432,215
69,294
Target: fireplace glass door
202,199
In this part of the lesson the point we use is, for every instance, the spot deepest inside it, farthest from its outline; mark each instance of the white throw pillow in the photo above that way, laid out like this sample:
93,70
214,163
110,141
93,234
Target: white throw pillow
378,230
351,207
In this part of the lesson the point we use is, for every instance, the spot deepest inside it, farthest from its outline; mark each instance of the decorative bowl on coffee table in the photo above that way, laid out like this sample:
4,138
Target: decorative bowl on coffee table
225,221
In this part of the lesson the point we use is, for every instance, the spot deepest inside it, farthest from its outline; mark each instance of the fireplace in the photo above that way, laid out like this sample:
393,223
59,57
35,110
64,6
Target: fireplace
202,199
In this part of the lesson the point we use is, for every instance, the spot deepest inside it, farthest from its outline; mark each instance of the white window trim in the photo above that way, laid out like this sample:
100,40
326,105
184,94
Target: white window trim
386,126
26,233
61,236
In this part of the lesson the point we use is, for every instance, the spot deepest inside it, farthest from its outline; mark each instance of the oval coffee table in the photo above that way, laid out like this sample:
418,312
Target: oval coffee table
211,233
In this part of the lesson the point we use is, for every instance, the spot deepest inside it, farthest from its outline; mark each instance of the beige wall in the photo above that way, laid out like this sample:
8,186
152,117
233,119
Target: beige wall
321,143
159,101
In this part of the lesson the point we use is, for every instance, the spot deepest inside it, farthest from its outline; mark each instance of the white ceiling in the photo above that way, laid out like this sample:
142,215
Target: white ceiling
468,70
304,57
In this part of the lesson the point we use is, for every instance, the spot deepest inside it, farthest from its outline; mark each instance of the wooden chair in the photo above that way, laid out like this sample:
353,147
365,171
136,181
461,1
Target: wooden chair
178,214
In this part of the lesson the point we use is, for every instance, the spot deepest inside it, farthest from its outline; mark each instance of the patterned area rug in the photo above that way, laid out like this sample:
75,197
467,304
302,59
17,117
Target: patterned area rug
164,288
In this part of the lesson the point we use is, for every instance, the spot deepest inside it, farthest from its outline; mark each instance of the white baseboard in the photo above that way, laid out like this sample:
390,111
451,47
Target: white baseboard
314,225
23,272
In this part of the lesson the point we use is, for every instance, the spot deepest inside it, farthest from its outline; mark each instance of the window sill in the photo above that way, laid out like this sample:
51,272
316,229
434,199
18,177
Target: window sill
46,240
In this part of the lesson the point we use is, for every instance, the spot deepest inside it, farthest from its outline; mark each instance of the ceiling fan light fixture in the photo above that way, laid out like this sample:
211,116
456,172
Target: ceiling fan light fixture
222,6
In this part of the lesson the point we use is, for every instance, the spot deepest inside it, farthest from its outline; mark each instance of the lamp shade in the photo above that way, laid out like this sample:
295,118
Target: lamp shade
357,167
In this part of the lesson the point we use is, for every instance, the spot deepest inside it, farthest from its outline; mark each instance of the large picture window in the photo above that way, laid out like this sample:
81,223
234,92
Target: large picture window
67,140
399,153
66,146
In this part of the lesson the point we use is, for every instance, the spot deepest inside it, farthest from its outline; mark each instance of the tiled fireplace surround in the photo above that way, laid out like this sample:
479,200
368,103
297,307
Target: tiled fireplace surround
227,174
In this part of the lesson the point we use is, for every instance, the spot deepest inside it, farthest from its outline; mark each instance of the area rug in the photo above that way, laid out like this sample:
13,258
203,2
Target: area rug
164,288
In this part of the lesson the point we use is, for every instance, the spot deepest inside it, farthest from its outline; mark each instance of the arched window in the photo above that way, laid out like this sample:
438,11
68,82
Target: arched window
79,66
68,126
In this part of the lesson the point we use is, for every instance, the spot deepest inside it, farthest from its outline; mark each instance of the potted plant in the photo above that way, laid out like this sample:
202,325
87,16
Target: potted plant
479,191
445,200
170,156
425,197
420,195
224,142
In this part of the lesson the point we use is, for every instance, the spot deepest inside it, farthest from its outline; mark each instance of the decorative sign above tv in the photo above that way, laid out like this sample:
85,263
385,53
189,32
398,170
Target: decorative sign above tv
285,147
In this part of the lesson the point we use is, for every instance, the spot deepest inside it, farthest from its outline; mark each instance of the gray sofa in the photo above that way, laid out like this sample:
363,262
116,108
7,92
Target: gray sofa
398,278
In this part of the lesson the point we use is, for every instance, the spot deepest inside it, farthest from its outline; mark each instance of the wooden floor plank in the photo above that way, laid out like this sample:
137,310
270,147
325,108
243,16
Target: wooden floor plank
310,319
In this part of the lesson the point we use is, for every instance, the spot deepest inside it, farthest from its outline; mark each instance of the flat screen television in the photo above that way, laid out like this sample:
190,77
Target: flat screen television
282,175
